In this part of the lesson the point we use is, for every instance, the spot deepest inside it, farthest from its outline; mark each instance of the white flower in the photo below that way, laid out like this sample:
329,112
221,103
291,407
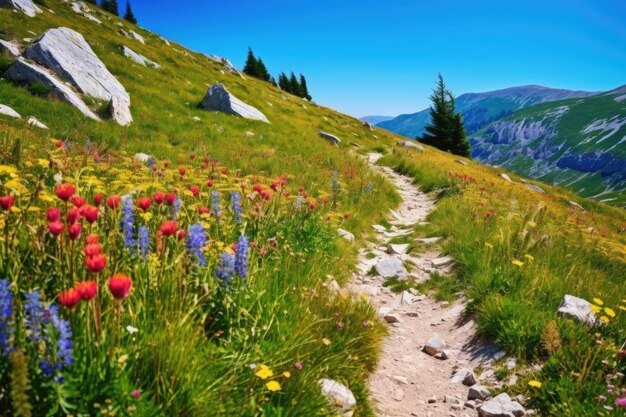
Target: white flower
131,329
58,178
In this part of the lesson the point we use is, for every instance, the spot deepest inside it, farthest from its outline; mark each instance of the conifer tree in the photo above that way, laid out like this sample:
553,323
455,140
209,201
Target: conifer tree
446,130
294,86
283,82
129,16
252,66
110,6
304,90
262,71
93,2
273,81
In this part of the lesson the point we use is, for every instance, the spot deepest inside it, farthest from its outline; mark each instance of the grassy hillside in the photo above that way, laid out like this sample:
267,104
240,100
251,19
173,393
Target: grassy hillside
197,336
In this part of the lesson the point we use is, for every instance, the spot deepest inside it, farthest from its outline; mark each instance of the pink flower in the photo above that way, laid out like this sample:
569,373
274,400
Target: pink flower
340,325
620,402
136,393
297,365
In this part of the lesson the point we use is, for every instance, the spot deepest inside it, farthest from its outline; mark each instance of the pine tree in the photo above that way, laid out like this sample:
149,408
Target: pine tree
93,2
262,71
110,6
304,90
283,82
446,130
252,65
129,16
294,86
273,81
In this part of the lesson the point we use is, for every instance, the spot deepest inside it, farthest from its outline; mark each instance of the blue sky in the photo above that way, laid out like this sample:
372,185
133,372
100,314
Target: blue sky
382,56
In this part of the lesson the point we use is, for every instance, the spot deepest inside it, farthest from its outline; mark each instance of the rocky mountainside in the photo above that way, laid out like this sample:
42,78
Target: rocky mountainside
577,143
480,109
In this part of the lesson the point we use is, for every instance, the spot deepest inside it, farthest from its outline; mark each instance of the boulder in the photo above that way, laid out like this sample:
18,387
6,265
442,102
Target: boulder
577,309
397,249
7,111
411,144
478,392
34,122
25,6
501,406
535,188
68,54
345,234
506,178
23,71
81,8
334,140
134,35
464,376
226,63
140,59
119,110
462,162
443,261
339,396
368,125
10,48
434,345
391,267
220,99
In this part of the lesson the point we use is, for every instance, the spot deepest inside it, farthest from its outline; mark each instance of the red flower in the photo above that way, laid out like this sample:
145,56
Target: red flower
224,171
169,228
346,215
312,204
182,171
170,198
73,215
144,203
69,298
58,143
158,197
97,199
263,252
96,263
92,249
181,234
488,214
78,201
166,164
92,239
65,191
114,201
195,190
7,202
120,285
203,210
192,156
56,227
266,194
74,231
87,289
209,183
90,213
258,188
54,214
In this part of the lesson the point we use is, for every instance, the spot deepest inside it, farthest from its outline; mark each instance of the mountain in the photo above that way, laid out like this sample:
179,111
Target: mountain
480,109
577,143
376,119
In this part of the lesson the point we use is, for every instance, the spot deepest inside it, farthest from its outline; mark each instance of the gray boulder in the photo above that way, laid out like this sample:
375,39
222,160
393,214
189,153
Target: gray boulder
23,71
34,122
138,58
411,144
464,376
501,406
81,8
7,111
368,125
391,267
134,35
478,392
10,48
434,345
220,99
577,309
535,188
68,54
334,140
225,62
25,6
339,396
345,234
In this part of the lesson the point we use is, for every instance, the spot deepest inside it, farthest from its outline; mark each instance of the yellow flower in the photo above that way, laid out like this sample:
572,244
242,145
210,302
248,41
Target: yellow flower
518,263
531,224
622,308
529,257
326,342
488,245
363,297
146,216
595,308
609,312
598,301
534,384
273,386
604,319
264,372
287,374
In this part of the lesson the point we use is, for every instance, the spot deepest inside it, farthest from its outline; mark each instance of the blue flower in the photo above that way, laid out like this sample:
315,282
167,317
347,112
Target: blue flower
151,162
235,199
64,342
6,314
178,203
127,223
196,241
299,202
215,203
226,268
241,256
33,316
144,242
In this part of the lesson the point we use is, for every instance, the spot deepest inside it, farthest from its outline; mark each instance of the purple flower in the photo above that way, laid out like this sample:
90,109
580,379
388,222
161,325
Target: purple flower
196,240
127,223
215,203
144,242
6,314
63,336
226,268
620,402
235,200
33,316
241,256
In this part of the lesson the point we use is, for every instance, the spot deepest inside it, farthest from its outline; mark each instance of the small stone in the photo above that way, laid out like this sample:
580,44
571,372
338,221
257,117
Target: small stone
501,406
339,396
535,188
460,161
429,240
450,399
432,400
34,122
400,379
346,235
519,399
411,144
398,394
443,261
511,364
478,392
434,345
394,249
391,267
506,177
392,318
577,309
334,140
471,404
464,376
442,356
379,228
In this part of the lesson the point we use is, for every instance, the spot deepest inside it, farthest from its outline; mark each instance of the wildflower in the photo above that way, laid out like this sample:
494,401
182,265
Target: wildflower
195,190
196,242
136,393
488,215
531,224
602,398
312,204
69,298
235,200
170,198
96,263
114,201
529,257
144,203
168,228
73,215
226,268
241,257
97,199
78,201
609,312
53,214
56,227
365,323
598,301
488,245
534,384
74,230
621,402
158,197
287,374
605,319
90,213
272,386
518,263
120,285
6,202
263,252
131,329
209,183
340,325
33,316
92,239
63,337
215,203
87,289
6,312
144,242
595,308
127,222
178,203
181,234
335,183
326,342
64,191
264,372
297,365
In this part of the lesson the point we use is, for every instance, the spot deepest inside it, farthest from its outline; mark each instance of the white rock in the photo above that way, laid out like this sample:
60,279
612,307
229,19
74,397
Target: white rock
368,125
434,345
452,400
82,9
249,134
464,376
134,35
394,249
334,140
196,119
345,234
25,6
218,98
400,379
391,267
535,188
573,203
34,122
138,58
119,110
379,228
460,161
165,40
7,111
506,177
339,396
511,364
11,48
429,240
411,144
478,392
501,406
23,71
226,63
142,157
439,262
577,309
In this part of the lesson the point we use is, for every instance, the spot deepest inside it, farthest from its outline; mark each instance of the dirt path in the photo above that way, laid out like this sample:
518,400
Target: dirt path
408,381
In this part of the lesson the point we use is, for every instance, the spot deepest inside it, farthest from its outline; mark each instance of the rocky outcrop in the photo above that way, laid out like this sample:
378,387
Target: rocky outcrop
10,48
134,35
577,309
411,144
34,122
82,9
339,396
8,111
66,52
25,6
220,99
26,72
501,406
334,140
138,58
225,62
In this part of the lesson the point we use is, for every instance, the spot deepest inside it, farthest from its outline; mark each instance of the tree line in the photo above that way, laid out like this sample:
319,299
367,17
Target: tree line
291,84
111,6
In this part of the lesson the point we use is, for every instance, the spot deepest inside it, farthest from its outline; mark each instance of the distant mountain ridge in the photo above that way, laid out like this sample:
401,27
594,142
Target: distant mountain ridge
376,119
480,109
